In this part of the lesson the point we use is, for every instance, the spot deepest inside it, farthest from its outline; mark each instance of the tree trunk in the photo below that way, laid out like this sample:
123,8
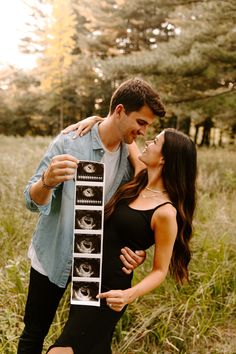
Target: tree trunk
184,125
196,134
207,125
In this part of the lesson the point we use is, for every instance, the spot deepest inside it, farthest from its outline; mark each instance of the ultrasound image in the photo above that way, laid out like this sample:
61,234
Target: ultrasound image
85,291
86,267
87,243
89,195
90,171
88,219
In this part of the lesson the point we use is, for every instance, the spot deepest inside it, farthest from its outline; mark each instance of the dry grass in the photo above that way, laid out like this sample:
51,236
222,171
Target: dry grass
198,318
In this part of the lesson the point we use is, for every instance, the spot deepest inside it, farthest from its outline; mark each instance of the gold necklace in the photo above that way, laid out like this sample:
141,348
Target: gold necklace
148,196
154,191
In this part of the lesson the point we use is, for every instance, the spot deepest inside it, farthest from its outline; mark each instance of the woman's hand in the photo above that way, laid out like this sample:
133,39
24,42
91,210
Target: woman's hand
131,260
82,127
117,299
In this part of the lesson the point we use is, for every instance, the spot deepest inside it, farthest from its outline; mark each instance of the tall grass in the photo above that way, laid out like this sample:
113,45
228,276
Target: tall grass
197,318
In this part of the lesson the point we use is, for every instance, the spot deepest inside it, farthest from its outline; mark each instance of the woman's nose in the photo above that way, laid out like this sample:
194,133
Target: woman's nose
148,142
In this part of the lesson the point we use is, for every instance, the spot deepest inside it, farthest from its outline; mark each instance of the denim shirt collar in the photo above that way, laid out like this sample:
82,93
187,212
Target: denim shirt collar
97,142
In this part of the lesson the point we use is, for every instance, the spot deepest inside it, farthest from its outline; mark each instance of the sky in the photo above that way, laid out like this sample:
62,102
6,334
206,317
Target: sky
13,15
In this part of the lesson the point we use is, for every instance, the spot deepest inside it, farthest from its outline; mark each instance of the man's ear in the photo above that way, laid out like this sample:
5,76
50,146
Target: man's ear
119,108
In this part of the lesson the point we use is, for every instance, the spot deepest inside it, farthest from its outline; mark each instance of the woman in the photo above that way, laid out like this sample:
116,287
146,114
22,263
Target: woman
156,207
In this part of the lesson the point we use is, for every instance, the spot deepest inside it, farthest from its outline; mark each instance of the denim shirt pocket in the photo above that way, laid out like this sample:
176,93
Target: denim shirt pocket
79,154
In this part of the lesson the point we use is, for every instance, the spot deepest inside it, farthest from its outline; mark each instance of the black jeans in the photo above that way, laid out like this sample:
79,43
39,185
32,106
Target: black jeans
42,302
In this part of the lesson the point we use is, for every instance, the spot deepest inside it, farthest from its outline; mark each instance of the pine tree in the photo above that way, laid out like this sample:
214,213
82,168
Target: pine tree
194,71
118,27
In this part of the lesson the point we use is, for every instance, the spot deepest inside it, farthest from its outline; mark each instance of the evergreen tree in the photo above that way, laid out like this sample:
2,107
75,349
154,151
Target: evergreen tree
195,67
118,27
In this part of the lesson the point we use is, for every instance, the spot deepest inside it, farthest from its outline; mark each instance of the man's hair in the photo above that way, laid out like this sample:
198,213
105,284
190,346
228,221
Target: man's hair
135,93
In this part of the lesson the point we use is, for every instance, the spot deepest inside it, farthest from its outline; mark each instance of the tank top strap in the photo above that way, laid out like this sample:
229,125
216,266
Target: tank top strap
162,204
149,213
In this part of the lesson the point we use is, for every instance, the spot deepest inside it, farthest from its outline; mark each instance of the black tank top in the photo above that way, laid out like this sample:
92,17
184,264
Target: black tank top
126,227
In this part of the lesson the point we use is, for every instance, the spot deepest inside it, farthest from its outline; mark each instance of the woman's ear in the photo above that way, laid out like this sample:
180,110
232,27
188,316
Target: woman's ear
162,161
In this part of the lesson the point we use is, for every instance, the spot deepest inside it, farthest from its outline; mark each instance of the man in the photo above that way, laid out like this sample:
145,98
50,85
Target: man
133,108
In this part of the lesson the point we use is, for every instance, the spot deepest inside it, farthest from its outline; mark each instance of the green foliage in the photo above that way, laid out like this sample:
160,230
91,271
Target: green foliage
186,49
195,67
197,318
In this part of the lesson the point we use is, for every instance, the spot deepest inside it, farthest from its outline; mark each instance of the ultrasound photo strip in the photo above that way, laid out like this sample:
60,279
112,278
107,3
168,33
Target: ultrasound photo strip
88,233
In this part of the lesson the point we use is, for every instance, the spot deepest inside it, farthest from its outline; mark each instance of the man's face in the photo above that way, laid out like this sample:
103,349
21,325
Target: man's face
135,123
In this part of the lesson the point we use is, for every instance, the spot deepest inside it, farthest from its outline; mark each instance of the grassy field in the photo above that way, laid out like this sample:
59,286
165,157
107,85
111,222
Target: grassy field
198,318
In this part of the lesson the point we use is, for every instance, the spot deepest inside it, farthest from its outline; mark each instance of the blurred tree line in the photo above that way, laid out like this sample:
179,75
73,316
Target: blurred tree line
185,48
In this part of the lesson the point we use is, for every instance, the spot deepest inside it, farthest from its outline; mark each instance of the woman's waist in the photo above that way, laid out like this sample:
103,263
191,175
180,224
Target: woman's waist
115,279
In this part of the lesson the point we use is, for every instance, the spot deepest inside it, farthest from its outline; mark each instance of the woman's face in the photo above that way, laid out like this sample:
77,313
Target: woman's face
152,153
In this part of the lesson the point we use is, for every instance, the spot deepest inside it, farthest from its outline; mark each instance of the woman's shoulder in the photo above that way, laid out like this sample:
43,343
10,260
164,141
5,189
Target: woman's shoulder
165,212
164,220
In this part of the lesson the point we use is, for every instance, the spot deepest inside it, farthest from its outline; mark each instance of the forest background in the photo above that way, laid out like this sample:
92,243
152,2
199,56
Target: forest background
186,49
84,49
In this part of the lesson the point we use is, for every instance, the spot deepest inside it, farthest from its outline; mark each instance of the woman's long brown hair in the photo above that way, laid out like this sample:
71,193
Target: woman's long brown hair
179,177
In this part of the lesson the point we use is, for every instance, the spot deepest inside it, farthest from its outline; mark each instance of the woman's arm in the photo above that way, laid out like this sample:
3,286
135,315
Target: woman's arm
134,152
165,235
83,126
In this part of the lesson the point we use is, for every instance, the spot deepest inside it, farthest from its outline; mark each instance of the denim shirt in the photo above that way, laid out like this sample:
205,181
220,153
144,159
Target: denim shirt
53,236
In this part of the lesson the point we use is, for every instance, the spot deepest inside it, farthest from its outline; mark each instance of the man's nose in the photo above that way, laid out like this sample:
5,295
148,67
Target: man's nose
142,131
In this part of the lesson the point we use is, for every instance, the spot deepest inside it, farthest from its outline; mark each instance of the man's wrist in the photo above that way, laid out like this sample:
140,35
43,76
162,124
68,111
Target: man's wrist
45,185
